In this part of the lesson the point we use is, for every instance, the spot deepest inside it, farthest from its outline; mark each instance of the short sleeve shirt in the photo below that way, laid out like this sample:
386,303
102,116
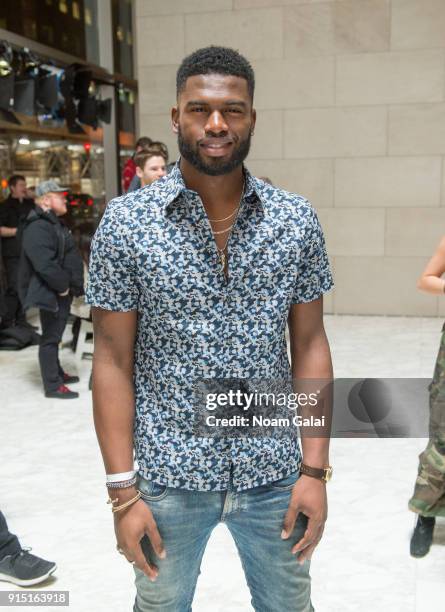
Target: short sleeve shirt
154,252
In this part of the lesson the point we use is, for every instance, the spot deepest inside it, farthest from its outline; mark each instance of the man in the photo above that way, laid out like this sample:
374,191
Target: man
130,167
428,499
17,564
194,278
13,210
151,164
51,272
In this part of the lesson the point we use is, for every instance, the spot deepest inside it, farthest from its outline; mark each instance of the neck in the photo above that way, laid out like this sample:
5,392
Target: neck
214,191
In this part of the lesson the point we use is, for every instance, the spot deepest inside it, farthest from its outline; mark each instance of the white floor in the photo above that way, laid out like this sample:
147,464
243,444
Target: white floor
51,484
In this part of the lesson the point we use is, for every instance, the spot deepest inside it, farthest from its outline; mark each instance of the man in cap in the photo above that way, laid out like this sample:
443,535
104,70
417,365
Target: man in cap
51,272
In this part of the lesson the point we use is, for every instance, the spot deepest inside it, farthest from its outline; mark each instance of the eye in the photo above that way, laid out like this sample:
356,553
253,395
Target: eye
198,109
234,111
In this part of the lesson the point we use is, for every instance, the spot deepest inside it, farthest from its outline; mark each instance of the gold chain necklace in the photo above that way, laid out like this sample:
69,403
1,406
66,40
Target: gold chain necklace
221,253
223,231
225,218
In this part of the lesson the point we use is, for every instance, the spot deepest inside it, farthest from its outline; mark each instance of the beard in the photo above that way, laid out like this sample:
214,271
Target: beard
215,167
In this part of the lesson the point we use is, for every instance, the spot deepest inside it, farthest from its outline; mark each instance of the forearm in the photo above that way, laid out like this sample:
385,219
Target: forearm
113,408
431,284
313,361
7,232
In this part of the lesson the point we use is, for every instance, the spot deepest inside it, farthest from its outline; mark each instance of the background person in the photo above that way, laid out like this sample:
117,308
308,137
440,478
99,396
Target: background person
13,211
51,272
17,564
130,167
151,164
428,499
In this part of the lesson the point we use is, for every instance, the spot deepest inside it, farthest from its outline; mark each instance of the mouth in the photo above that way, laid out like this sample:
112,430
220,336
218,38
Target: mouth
216,149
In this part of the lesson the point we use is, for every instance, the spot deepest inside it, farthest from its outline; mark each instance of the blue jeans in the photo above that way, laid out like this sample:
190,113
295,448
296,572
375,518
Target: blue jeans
185,519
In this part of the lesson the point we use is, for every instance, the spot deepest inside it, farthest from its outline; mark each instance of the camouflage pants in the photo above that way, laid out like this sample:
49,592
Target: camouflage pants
429,491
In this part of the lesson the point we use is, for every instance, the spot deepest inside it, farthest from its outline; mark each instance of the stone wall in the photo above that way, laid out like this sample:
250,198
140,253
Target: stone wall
351,114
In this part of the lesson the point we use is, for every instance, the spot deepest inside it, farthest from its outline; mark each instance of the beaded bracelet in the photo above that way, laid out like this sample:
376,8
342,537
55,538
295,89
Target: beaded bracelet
124,484
125,505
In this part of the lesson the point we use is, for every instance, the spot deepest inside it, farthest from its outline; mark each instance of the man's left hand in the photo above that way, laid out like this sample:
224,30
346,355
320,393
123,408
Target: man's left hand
308,496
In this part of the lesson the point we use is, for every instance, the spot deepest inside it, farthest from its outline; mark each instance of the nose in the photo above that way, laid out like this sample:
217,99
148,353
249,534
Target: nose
216,123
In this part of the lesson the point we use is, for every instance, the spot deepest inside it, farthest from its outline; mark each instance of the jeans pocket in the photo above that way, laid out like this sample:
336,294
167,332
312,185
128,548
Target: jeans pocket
285,483
151,491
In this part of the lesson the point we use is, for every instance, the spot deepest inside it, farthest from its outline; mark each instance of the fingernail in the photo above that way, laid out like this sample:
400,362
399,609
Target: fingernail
283,535
162,554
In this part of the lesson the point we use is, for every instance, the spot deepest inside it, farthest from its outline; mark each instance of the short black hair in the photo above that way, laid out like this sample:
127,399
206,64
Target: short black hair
215,60
14,179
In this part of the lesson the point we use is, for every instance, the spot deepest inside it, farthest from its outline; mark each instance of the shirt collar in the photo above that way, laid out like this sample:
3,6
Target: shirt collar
174,186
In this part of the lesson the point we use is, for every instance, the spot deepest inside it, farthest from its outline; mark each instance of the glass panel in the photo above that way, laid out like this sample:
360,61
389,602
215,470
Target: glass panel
122,11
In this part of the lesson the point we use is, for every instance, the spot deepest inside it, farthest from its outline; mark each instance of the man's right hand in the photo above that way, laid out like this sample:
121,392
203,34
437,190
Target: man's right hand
130,526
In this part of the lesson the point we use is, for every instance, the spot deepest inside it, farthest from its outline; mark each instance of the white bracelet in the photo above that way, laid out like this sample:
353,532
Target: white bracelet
121,476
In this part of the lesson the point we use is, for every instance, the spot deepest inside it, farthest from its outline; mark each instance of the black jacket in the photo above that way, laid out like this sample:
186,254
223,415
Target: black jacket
12,213
49,263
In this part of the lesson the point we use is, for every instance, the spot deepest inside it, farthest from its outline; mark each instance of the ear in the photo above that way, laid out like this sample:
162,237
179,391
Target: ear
175,119
139,172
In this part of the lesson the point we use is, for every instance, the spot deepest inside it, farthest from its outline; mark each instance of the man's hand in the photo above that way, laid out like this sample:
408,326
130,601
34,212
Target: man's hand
308,496
130,526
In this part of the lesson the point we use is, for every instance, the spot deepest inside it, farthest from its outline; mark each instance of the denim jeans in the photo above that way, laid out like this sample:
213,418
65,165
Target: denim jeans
185,519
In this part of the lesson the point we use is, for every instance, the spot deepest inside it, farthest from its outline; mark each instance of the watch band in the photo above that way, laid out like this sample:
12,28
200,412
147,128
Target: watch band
324,474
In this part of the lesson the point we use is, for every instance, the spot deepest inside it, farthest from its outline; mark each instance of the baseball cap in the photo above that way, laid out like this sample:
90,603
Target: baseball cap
49,187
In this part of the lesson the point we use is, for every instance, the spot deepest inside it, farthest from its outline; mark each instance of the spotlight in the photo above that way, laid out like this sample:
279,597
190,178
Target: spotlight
47,90
6,57
6,77
91,110
24,95
25,83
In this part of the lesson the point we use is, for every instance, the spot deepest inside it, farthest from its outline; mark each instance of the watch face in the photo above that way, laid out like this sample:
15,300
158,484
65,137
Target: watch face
328,474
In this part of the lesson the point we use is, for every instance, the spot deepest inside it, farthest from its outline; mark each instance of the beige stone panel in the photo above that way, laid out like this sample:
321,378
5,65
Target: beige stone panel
443,183
387,181
267,142
311,178
440,309
158,127
389,78
309,30
157,89
328,28
176,7
335,132
413,231
418,129
417,24
160,40
381,285
244,4
328,302
362,26
257,34
304,82
351,232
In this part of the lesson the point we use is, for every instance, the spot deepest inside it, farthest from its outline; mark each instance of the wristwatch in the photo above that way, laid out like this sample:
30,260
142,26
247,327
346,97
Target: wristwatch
324,474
